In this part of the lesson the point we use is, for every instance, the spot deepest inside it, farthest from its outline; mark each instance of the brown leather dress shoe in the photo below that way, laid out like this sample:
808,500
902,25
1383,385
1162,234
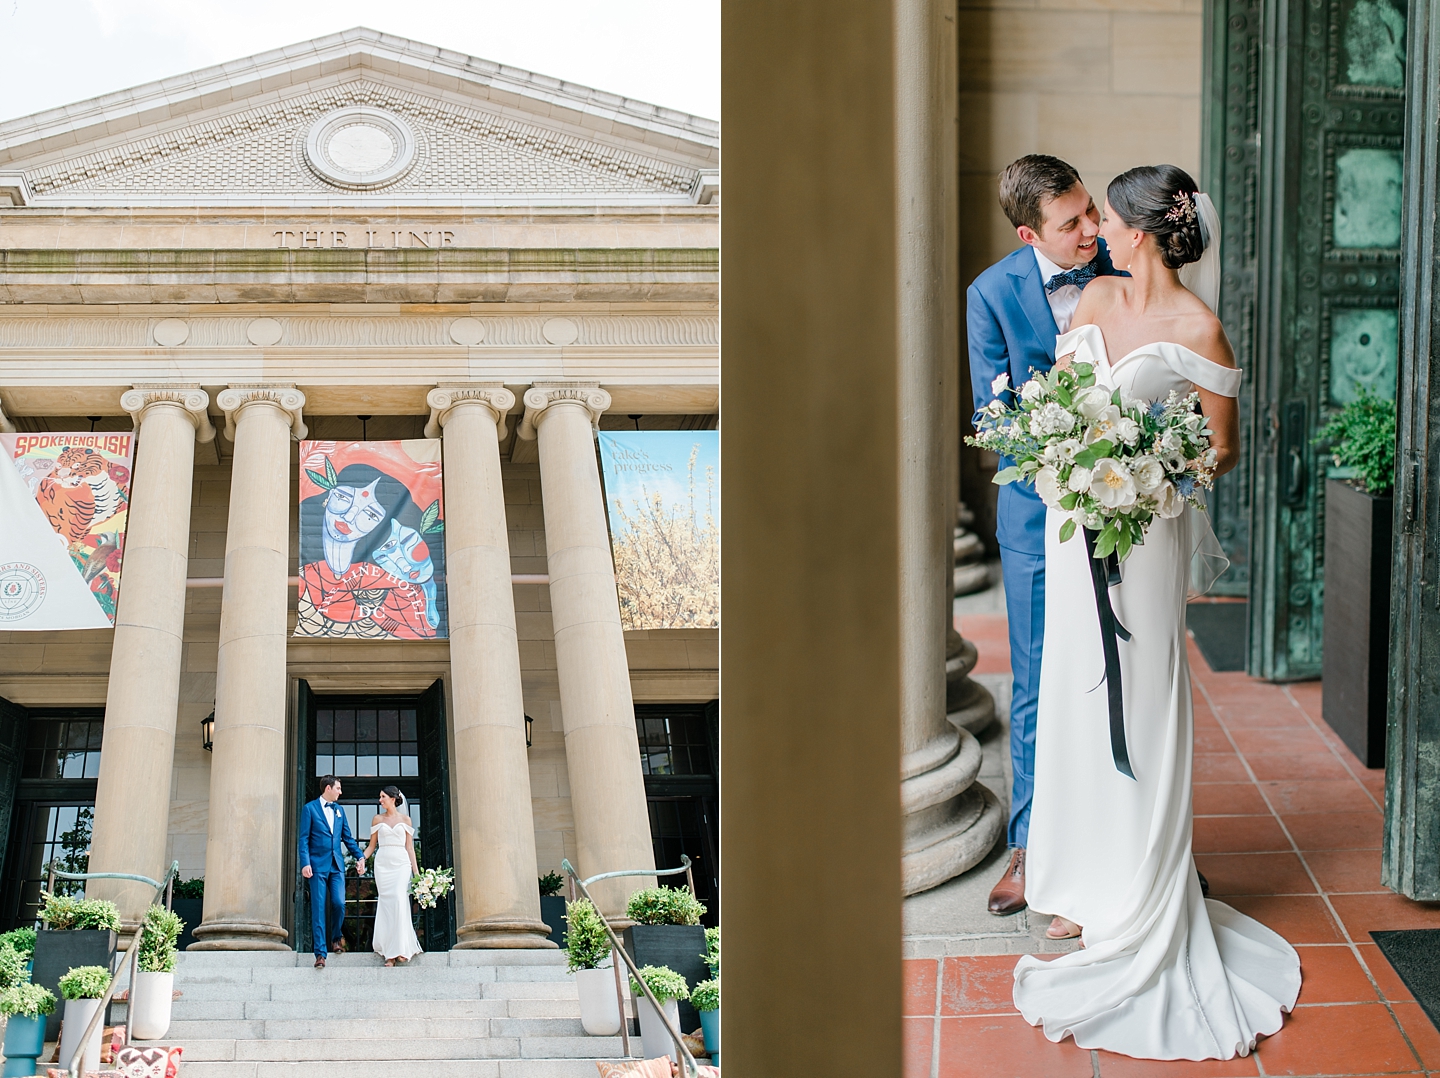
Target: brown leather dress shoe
1008,896
319,962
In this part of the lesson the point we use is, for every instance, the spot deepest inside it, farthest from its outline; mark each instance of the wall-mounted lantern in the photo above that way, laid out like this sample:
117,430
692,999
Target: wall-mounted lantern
207,732
529,725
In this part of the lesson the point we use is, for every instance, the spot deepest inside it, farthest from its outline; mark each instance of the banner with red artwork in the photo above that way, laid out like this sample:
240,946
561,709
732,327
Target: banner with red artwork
64,506
372,541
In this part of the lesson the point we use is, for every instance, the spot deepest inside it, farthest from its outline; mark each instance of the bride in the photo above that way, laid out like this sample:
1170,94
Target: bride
1165,973
394,937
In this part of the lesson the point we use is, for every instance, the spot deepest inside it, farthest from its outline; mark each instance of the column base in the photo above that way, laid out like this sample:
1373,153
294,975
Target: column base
502,935
239,936
955,845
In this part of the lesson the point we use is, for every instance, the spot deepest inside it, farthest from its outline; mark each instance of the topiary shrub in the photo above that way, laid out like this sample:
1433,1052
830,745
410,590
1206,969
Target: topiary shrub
21,940
27,1000
663,981
550,884
85,982
664,906
157,945
1362,438
586,944
706,996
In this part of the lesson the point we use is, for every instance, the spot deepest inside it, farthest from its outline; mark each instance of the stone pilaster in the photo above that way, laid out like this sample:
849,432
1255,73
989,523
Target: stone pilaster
494,820
132,795
244,850
602,752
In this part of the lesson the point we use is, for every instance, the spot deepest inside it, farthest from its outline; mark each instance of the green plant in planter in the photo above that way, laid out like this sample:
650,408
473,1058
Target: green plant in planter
706,996
22,940
157,945
550,884
12,967
712,952
586,944
27,1000
64,912
663,981
85,982
664,906
1361,437
190,888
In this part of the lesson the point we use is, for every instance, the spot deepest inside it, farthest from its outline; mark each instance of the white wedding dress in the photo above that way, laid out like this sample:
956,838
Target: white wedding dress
1165,973
394,932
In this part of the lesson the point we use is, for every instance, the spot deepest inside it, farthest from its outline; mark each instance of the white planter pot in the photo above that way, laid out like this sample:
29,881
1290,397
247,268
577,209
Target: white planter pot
150,1006
78,1013
654,1037
599,1009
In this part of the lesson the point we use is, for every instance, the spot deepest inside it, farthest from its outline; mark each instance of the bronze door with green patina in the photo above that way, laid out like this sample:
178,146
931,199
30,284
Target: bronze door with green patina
1304,145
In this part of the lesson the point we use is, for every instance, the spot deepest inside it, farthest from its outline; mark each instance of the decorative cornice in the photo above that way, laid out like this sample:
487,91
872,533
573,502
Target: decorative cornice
191,399
540,396
288,398
443,399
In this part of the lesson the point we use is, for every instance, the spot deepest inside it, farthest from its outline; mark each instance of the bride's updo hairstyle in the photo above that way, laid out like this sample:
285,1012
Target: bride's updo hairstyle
1160,200
393,792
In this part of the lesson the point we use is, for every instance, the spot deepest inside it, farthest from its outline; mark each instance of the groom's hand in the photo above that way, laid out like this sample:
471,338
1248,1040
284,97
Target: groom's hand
360,867
307,872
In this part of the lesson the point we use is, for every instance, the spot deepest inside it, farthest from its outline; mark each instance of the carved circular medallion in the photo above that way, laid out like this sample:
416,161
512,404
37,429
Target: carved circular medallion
263,332
360,148
171,332
560,331
467,331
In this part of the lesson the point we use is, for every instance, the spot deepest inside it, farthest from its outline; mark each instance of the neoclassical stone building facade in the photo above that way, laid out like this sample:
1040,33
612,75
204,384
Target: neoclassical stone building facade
358,238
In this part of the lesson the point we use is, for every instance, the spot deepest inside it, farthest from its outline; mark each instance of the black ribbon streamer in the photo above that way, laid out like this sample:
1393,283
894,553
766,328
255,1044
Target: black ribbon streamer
1105,574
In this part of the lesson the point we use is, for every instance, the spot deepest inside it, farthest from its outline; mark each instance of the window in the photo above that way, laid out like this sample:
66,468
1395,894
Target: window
361,742
63,749
673,742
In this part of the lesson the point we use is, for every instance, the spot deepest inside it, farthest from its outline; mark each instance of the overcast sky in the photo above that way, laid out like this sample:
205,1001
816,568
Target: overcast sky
54,52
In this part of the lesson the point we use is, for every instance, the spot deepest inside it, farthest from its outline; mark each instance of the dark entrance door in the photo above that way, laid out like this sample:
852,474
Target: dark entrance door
678,754
370,742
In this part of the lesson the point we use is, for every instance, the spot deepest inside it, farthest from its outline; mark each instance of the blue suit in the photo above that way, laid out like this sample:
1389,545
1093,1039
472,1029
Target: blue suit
323,850
1011,330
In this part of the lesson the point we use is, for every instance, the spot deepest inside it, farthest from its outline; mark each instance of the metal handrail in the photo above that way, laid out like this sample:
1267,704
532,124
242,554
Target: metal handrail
132,952
691,1066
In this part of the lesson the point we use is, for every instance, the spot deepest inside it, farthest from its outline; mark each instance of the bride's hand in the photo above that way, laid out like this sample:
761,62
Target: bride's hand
1064,361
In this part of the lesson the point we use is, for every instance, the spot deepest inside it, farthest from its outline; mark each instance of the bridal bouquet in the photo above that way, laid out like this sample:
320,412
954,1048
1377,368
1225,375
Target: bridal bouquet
431,885
1111,462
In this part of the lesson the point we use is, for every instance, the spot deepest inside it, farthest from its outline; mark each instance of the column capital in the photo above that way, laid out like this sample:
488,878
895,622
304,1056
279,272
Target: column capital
6,427
542,395
444,398
287,398
193,400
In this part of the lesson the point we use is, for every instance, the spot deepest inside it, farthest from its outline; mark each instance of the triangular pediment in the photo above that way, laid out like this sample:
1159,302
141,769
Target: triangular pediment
358,118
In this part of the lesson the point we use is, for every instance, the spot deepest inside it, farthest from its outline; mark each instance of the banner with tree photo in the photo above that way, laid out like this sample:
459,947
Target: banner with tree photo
372,541
662,492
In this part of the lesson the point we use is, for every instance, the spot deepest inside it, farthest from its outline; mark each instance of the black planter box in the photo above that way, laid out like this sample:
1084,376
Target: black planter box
552,912
1357,617
189,910
682,948
57,953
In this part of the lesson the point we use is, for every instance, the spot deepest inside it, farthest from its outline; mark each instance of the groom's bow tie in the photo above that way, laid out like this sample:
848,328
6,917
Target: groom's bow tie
1080,276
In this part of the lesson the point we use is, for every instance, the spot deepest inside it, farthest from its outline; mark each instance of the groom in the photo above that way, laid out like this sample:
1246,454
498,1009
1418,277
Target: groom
1014,311
324,836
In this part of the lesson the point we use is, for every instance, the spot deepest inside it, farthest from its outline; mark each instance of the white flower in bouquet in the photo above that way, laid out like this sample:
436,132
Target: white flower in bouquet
1091,402
1051,418
1169,502
1127,430
1032,391
1112,484
1000,384
1103,428
1067,449
1148,474
1080,479
1047,485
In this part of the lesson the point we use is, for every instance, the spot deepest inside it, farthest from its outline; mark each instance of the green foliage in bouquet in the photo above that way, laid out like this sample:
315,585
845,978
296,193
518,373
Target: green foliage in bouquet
1362,437
27,1000
586,944
706,996
664,906
550,884
158,943
663,981
85,982
21,940
712,951
64,912
190,888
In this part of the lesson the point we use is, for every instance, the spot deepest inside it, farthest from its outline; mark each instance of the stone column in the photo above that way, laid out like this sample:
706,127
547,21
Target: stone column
951,822
244,848
602,752
132,796
494,820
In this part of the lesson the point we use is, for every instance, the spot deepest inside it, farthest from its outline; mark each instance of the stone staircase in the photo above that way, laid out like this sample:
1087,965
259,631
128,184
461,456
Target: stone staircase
461,1014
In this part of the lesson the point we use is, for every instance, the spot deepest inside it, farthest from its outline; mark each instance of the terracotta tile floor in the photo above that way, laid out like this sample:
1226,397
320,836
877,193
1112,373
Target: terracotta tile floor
1287,829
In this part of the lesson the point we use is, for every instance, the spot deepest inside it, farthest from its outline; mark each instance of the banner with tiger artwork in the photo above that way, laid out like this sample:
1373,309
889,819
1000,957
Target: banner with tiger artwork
372,541
64,505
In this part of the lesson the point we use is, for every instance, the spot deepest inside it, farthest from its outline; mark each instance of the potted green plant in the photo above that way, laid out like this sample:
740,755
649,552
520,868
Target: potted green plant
25,1006
552,906
1359,508
667,932
82,989
77,932
670,989
154,985
188,901
705,997
586,948
21,941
